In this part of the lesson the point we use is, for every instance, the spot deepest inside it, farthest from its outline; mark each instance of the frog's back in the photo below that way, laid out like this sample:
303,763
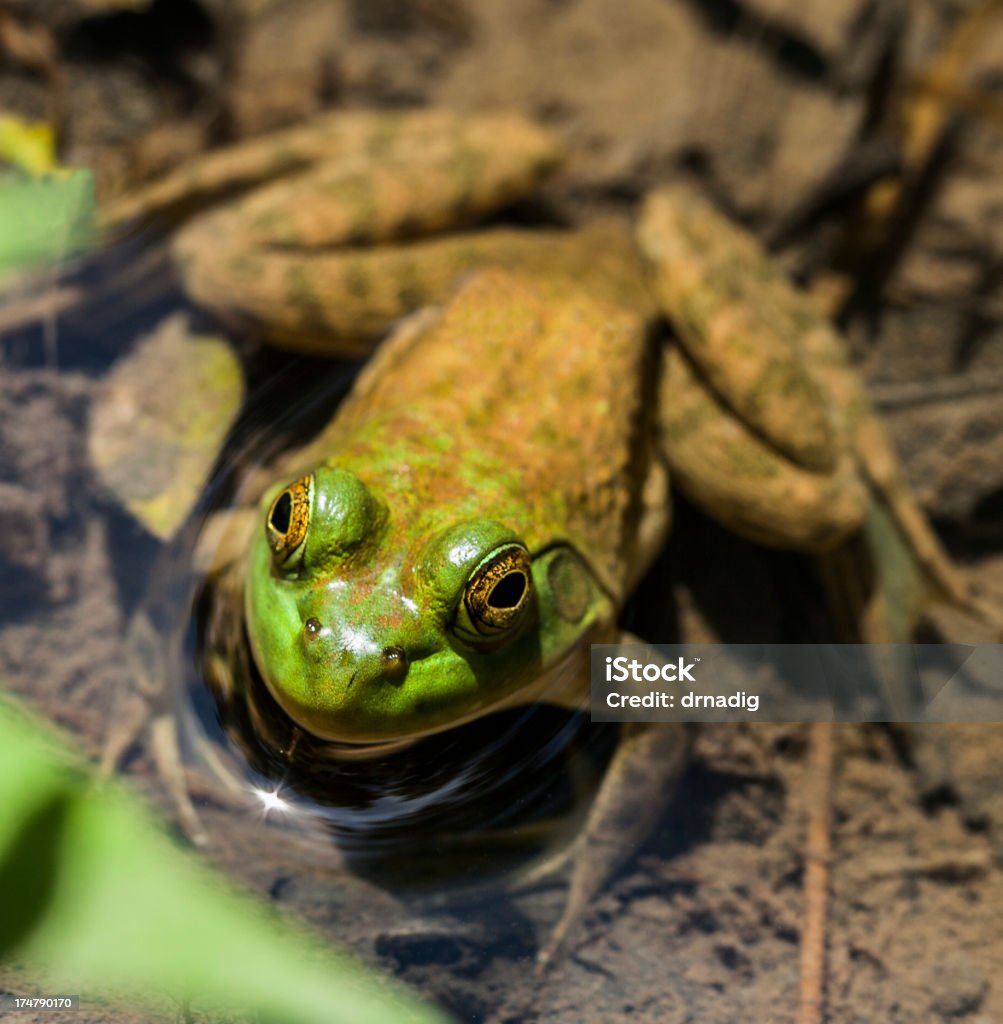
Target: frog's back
519,402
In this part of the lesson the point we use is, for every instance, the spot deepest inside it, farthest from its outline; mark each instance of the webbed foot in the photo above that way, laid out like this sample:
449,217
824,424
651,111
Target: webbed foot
639,783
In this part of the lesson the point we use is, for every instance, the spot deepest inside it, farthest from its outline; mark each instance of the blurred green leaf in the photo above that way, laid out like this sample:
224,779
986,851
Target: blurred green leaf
45,219
91,889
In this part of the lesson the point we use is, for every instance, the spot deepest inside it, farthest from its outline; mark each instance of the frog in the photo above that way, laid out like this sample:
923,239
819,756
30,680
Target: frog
480,507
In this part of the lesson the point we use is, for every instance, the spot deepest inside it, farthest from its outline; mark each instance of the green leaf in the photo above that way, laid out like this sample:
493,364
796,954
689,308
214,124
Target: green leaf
44,220
90,889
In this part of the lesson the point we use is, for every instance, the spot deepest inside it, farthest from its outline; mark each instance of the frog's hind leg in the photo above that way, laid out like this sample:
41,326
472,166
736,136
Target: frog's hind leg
767,427
758,361
352,142
328,259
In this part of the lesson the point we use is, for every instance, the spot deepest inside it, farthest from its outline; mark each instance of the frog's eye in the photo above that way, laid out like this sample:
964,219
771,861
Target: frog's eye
287,521
497,595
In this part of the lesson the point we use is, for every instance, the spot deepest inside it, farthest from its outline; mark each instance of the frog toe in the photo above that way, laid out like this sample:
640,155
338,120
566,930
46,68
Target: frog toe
741,480
641,781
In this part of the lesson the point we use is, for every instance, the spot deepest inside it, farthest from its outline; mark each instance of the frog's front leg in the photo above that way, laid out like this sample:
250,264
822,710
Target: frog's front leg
640,782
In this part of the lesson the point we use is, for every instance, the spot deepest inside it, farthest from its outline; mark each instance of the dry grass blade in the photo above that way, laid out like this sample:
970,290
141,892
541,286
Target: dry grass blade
971,100
927,111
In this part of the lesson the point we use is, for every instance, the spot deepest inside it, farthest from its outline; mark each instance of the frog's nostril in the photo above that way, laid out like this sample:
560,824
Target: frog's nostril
394,663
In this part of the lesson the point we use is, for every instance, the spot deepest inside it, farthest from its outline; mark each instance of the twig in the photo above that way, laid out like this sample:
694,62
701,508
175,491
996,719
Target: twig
926,112
903,394
816,878
31,309
971,100
949,866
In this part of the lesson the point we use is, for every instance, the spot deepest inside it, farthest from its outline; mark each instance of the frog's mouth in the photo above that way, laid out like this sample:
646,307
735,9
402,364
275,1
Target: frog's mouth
564,684
390,699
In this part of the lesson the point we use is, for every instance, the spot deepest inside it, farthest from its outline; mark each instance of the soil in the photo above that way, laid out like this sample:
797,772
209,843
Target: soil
763,102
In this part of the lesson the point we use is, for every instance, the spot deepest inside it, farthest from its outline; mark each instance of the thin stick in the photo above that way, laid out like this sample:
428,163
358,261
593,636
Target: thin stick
904,394
816,877
926,112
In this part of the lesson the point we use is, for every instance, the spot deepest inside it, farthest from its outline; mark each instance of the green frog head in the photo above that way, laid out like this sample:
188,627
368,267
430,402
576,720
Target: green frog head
374,617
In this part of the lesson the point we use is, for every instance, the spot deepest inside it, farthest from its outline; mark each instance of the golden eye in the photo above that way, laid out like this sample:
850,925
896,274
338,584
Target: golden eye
287,520
499,591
